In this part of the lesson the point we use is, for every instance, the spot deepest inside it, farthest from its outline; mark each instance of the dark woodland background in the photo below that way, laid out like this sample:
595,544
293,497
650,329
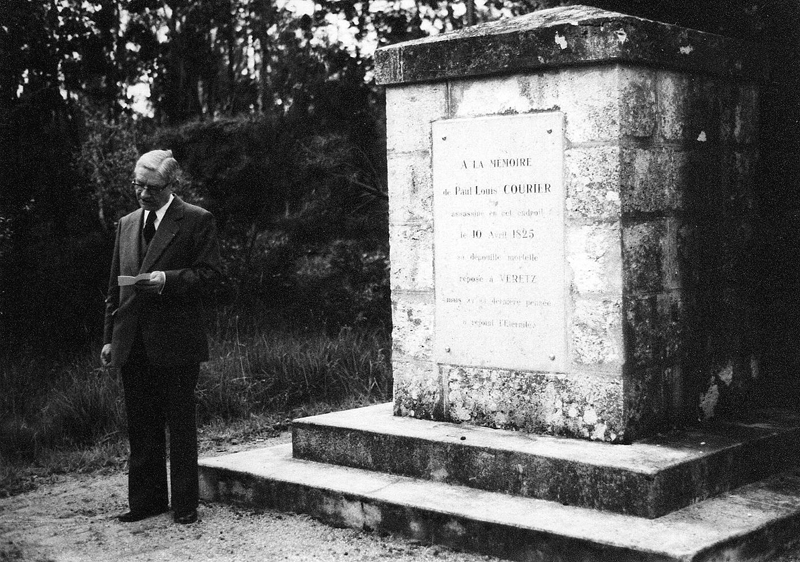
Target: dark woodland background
280,131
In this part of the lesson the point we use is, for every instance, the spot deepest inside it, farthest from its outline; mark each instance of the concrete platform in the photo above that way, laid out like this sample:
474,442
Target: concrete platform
647,479
746,524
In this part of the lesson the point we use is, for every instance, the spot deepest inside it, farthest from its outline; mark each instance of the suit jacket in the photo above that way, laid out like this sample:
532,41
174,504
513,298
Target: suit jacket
172,326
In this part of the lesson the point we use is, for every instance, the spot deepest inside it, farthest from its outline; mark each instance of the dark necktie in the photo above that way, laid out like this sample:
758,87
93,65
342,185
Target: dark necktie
149,227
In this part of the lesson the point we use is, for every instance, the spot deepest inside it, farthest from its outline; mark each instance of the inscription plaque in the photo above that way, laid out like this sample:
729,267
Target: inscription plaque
498,209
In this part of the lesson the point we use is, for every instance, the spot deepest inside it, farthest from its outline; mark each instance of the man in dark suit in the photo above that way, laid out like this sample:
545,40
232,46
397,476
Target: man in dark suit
154,332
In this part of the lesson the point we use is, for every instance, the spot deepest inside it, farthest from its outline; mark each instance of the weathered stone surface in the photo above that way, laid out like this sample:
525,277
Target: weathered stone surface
562,37
654,328
410,188
741,169
502,95
412,325
645,256
594,255
652,180
696,110
648,400
705,191
638,113
417,390
582,405
746,114
593,182
671,90
590,98
597,333
747,525
648,479
409,113
705,110
411,256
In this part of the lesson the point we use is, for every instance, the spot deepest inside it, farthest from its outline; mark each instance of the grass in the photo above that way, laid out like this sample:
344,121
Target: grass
281,370
66,415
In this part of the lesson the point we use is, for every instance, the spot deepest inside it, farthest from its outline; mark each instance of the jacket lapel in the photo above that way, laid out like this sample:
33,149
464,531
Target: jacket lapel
131,246
167,229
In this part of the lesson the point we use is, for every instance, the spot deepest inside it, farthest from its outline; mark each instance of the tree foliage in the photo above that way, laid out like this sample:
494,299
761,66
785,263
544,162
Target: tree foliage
275,116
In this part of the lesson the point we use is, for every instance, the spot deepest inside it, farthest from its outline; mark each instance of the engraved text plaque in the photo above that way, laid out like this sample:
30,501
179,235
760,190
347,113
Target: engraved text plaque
499,242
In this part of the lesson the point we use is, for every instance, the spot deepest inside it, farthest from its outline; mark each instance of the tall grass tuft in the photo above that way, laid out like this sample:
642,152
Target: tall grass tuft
65,402
253,373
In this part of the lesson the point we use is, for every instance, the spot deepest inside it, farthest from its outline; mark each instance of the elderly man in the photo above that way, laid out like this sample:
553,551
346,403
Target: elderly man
154,333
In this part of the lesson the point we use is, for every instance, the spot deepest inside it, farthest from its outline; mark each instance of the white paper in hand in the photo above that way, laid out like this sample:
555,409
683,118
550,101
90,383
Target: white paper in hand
124,280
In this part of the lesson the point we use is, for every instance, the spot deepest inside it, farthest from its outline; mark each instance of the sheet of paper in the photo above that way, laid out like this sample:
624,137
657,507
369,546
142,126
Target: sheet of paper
124,280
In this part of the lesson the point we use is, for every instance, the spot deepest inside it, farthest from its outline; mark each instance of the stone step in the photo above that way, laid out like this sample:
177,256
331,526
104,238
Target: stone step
646,479
749,523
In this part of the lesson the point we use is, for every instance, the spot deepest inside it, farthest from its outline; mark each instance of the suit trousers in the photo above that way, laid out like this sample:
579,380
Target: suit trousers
159,398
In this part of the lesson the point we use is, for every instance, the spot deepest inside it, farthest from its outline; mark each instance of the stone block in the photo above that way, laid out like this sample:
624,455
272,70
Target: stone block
717,253
499,95
672,89
597,333
700,110
746,114
653,179
592,182
411,256
638,106
740,166
705,191
583,406
412,325
644,256
672,271
418,390
591,100
651,261
588,97
409,113
705,110
654,328
647,400
594,256
410,188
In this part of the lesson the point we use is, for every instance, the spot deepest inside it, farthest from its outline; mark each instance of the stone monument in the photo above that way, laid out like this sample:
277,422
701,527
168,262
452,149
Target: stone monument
571,211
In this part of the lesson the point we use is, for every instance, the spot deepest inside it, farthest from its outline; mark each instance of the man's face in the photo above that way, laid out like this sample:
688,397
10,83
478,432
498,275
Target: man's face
153,197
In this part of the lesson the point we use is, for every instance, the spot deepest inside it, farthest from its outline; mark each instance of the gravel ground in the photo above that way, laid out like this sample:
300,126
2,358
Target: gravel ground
74,519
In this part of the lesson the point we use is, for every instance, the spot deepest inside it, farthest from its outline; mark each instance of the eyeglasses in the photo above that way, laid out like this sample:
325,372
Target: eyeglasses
139,187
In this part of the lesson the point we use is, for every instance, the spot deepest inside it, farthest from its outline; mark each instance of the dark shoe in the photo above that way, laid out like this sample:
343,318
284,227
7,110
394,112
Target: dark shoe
186,517
132,516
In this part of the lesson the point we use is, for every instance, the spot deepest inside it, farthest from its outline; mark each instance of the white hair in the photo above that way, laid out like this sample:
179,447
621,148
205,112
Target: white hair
161,162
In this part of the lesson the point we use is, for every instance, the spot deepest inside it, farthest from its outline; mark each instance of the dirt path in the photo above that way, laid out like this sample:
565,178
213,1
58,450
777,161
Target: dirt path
74,519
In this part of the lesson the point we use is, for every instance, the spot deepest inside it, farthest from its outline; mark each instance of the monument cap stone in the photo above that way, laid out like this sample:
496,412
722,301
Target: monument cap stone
558,37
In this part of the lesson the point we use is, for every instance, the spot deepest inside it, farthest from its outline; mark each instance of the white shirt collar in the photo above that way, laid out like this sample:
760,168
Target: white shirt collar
161,212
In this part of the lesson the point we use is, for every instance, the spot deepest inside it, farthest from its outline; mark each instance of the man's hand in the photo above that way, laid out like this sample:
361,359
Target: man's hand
154,285
105,355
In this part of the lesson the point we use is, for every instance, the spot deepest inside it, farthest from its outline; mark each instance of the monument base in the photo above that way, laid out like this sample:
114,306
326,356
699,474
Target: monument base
678,497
